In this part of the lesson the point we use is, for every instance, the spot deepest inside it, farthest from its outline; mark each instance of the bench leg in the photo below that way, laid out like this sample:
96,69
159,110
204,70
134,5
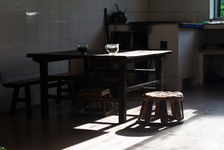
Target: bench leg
13,103
59,87
71,87
28,101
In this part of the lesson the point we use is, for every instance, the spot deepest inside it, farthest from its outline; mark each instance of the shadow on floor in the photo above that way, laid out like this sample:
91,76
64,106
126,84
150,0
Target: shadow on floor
203,109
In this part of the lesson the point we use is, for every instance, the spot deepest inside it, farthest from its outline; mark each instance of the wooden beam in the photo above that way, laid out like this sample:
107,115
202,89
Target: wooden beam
142,85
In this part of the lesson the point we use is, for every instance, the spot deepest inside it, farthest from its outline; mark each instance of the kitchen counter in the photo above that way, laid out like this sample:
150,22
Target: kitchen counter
213,26
191,25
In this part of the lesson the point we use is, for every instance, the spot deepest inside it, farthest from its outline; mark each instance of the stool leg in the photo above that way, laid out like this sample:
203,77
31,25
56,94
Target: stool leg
146,110
163,112
182,109
157,111
149,111
13,103
28,101
142,111
175,108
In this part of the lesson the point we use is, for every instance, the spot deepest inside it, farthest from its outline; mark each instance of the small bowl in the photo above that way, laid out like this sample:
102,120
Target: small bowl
112,48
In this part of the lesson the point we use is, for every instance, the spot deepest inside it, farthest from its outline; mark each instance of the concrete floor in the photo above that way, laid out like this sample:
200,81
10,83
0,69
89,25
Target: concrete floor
202,128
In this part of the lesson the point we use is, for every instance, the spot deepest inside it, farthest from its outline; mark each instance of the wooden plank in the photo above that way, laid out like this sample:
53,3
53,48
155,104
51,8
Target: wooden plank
95,99
84,98
142,71
21,83
141,85
129,71
100,92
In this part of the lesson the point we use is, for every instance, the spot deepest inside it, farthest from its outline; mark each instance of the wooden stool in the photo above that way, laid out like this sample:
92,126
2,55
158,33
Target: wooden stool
160,98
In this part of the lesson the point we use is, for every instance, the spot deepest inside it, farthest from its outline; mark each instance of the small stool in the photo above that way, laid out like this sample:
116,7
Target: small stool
160,98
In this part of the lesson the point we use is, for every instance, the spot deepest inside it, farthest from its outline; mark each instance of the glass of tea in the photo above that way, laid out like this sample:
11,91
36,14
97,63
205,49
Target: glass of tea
82,48
112,48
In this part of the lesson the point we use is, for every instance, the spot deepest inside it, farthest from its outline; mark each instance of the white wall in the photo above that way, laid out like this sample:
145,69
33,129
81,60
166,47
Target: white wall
169,33
178,10
30,26
189,46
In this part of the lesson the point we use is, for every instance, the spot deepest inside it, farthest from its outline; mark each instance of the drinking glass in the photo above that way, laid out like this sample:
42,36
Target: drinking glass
82,48
112,48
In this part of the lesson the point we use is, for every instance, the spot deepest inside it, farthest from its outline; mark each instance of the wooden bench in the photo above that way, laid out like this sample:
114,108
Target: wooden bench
57,80
17,85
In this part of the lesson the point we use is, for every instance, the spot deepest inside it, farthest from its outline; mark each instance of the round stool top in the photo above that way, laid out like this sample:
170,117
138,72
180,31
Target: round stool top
164,95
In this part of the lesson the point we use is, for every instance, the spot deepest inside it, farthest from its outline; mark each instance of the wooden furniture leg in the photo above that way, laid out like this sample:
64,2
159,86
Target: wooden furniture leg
13,103
44,88
122,92
163,112
177,110
149,111
28,101
59,87
159,72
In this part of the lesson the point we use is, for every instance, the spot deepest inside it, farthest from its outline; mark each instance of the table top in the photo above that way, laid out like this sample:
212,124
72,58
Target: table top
99,54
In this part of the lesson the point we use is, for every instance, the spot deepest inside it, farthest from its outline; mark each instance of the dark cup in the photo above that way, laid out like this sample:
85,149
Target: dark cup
82,48
163,44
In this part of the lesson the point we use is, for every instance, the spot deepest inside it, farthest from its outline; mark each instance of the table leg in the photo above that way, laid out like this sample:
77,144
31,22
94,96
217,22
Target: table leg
122,92
86,67
159,72
44,88
201,68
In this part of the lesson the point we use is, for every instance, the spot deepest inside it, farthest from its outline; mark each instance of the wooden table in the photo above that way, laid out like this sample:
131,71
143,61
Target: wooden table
121,58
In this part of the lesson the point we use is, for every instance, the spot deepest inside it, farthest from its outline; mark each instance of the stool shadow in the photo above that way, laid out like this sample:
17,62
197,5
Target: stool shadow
142,129
137,129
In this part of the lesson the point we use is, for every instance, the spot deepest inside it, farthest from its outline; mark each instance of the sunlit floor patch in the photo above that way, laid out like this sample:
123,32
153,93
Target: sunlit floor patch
112,119
189,113
134,111
108,141
113,139
92,126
